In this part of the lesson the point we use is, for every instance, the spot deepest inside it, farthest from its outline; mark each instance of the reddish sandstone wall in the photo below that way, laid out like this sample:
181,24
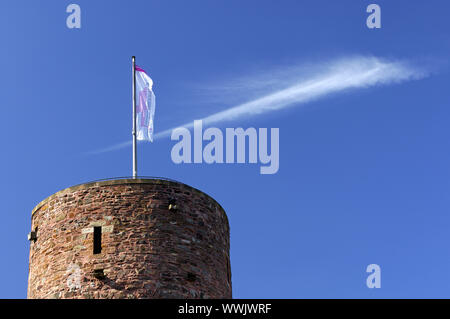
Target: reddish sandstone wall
148,251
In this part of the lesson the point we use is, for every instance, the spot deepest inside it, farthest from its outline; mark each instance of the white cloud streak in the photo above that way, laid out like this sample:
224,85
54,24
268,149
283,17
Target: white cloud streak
338,76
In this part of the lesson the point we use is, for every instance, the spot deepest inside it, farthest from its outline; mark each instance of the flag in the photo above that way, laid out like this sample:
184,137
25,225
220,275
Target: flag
145,105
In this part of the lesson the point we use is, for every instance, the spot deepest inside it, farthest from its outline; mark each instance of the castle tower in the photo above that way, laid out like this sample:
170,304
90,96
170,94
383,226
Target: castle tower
129,238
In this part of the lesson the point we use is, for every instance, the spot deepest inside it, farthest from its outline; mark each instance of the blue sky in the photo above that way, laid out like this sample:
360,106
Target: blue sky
364,174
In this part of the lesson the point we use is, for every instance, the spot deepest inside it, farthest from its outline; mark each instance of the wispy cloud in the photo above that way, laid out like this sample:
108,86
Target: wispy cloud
328,78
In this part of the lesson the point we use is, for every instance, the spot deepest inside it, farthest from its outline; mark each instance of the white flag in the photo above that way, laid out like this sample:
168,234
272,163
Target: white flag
145,105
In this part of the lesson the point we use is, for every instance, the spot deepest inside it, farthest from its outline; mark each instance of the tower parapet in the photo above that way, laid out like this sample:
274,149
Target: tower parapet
129,238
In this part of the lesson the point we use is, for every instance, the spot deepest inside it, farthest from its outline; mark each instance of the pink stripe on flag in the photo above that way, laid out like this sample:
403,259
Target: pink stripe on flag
138,68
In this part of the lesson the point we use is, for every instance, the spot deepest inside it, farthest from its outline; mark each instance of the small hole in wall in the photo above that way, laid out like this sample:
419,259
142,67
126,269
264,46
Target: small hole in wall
173,205
99,274
97,240
191,277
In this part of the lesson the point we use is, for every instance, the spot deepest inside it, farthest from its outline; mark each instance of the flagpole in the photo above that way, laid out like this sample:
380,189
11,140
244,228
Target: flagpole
134,119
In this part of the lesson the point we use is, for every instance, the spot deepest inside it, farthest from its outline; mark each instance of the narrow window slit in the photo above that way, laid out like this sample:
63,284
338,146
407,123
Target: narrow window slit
97,239
228,272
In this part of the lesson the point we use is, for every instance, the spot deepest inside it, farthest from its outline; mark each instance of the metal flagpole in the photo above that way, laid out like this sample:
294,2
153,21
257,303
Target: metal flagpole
134,119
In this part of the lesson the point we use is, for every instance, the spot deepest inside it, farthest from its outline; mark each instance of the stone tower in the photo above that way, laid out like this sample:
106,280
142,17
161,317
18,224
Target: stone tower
129,238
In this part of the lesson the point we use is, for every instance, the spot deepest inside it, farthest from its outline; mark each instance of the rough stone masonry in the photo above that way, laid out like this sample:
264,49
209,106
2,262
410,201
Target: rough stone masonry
129,238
